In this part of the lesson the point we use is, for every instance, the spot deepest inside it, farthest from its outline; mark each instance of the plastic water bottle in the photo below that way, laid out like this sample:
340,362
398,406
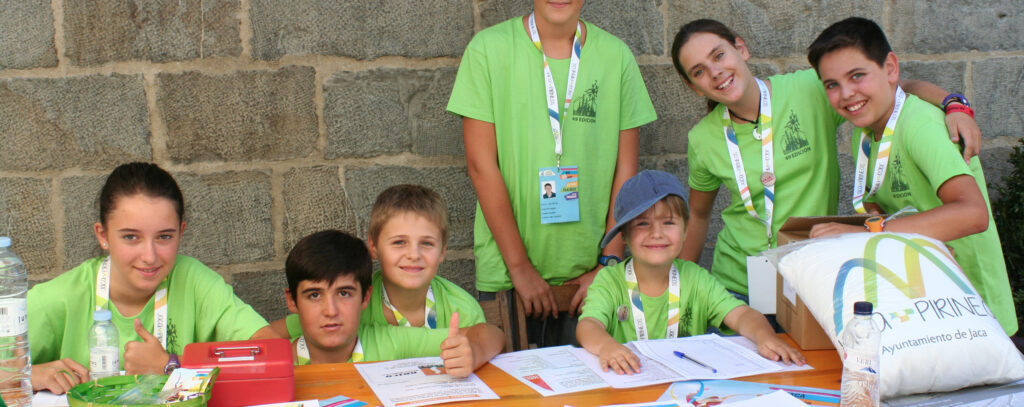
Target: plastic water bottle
15,359
860,340
104,355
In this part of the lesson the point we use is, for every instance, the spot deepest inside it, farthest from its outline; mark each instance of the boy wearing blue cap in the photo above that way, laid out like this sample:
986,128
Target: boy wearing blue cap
655,295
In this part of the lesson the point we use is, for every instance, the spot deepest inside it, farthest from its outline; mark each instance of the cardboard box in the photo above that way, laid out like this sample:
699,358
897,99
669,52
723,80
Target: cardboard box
251,372
790,311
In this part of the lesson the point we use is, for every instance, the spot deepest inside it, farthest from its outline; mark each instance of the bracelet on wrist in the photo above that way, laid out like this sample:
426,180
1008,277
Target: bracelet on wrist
955,97
952,108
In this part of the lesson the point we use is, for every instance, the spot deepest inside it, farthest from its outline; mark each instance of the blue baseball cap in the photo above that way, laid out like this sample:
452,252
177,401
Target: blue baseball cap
639,194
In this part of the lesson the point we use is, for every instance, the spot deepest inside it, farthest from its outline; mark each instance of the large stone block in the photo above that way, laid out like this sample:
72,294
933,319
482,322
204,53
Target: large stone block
678,108
638,23
360,29
922,26
228,217
242,116
264,291
25,216
949,75
389,111
26,34
771,28
101,31
461,272
81,207
452,183
995,162
315,200
999,96
75,122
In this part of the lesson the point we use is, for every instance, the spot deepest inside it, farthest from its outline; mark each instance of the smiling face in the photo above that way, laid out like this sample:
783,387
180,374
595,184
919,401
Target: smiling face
142,234
409,248
861,90
655,237
716,68
329,312
558,12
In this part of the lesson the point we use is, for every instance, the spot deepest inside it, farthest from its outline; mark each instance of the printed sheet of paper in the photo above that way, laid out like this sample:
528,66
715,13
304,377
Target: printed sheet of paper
420,382
730,360
549,371
746,343
775,399
651,371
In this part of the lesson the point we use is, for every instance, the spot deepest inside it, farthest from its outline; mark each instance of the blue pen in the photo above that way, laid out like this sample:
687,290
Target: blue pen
682,355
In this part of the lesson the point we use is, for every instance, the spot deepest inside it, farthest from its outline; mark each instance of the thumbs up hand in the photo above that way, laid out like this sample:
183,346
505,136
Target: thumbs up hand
456,351
146,357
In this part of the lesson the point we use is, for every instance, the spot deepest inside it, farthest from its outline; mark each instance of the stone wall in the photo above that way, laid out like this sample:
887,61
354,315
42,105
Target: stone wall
280,118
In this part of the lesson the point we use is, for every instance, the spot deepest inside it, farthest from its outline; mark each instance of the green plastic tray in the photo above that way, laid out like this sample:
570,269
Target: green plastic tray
80,395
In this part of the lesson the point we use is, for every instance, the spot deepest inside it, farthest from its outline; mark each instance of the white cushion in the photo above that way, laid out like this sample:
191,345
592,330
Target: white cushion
937,333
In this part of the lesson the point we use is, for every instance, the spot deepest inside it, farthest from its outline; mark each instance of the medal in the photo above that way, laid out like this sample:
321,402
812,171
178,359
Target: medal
768,179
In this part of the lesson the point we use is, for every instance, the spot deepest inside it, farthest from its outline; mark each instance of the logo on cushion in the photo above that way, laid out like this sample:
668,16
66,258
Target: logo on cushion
912,287
902,316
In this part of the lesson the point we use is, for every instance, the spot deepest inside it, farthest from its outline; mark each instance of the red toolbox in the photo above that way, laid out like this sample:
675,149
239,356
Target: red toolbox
251,372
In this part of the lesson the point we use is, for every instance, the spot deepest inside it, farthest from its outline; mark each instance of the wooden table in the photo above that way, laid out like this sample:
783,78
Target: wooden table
329,380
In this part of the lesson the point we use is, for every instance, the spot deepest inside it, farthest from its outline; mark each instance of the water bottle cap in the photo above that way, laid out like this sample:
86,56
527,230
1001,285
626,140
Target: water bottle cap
862,308
102,315
5,241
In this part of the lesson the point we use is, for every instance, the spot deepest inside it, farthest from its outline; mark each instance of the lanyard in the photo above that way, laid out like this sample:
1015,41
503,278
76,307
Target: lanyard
763,132
429,316
639,321
549,84
159,301
302,351
882,161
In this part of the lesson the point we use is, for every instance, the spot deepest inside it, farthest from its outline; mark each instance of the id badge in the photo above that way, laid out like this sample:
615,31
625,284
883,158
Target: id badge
559,198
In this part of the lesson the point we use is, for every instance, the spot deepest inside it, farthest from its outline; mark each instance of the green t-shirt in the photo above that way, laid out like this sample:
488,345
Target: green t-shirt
448,298
806,168
702,299
201,307
501,81
921,160
387,342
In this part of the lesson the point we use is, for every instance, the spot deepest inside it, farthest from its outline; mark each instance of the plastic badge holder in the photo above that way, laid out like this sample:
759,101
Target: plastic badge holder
102,392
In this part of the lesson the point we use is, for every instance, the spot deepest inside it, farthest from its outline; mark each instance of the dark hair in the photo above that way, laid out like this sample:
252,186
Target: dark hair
408,198
704,25
325,255
857,32
139,178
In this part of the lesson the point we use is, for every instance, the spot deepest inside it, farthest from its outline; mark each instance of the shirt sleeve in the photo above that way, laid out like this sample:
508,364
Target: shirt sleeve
294,326
395,342
458,300
600,301
45,325
719,301
471,94
232,319
636,108
934,154
700,176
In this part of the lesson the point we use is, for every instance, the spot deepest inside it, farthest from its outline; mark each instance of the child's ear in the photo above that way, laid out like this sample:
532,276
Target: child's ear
101,234
373,249
741,46
291,302
366,297
892,68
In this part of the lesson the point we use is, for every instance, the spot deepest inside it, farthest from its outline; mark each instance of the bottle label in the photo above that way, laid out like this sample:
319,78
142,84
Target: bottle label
104,359
13,316
860,362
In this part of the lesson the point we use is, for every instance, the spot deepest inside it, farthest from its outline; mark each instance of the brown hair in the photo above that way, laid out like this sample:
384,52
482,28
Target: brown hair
405,198
676,205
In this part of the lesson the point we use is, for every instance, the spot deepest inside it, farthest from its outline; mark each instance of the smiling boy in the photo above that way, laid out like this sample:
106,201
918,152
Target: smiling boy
328,277
904,140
